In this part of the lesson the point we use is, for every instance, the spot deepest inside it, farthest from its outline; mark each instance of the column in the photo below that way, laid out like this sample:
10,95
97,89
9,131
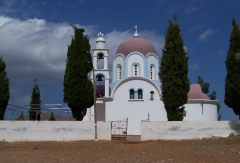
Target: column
105,62
95,62
106,87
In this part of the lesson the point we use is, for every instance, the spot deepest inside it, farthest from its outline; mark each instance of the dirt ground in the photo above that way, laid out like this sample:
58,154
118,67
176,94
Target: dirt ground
189,151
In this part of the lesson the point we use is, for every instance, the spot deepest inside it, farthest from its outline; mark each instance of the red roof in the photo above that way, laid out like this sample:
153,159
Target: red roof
195,92
136,44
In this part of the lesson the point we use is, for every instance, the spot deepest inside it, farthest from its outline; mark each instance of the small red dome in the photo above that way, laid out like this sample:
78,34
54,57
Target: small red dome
136,44
195,92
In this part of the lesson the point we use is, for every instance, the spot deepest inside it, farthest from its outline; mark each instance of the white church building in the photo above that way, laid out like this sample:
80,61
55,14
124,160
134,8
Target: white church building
133,90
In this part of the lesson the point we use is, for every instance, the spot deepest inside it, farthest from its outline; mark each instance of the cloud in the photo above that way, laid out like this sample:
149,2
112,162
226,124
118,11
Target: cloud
35,48
192,7
194,67
205,34
191,10
194,28
175,9
80,2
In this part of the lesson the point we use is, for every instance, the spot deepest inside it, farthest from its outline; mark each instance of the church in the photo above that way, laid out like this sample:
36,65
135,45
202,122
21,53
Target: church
133,91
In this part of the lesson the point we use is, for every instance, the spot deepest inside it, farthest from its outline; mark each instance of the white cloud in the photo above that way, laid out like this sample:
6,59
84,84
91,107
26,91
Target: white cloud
194,67
192,7
205,34
191,10
194,28
35,48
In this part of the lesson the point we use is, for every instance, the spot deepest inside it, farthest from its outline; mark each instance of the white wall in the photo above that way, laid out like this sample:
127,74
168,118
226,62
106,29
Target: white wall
100,112
201,110
188,130
135,110
53,131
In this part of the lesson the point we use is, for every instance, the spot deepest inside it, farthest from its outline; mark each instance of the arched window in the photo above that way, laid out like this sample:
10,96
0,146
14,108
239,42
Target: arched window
152,72
131,94
135,70
100,56
119,72
100,61
140,94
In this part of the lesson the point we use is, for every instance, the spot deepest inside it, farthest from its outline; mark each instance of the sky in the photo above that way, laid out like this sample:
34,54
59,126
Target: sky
34,36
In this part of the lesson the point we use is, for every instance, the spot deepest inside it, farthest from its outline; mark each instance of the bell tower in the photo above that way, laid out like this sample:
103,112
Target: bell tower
101,53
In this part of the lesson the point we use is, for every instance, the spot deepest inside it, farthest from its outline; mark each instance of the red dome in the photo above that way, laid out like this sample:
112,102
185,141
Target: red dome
195,92
136,44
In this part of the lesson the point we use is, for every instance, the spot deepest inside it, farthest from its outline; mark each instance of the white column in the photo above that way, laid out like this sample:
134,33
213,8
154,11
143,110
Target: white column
95,62
105,62
106,87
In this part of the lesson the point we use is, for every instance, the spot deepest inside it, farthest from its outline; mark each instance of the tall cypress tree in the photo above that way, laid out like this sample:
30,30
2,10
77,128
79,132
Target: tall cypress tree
174,73
232,80
78,88
4,88
35,104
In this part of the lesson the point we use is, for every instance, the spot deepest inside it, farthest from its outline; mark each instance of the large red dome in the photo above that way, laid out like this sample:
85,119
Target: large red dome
136,44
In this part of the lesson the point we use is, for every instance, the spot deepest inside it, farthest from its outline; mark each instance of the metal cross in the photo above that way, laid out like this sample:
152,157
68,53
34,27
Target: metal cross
136,28
148,116
100,35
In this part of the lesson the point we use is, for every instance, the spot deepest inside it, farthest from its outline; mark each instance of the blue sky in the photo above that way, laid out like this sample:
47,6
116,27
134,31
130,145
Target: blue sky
34,36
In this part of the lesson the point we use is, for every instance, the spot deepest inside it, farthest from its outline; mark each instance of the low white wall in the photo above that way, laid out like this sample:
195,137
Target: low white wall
188,130
53,131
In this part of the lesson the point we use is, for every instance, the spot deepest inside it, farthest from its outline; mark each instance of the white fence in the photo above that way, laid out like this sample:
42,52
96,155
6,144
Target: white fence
78,130
53,131
188,130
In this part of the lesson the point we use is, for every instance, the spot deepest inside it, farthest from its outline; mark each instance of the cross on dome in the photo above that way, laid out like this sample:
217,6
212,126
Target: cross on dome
100,35
136,34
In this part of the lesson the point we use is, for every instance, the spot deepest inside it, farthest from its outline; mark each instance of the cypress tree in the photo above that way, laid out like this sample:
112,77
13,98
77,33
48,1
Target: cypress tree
35,104
52,118
232,80
4,88
78,88
204,85
21,117
174,73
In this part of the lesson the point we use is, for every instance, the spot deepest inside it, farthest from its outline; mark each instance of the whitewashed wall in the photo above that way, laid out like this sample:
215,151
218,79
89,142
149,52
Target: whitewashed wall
53,131
135,110
188,130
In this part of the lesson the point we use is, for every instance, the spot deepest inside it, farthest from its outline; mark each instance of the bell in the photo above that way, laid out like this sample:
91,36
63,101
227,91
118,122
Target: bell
99,78
100,56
